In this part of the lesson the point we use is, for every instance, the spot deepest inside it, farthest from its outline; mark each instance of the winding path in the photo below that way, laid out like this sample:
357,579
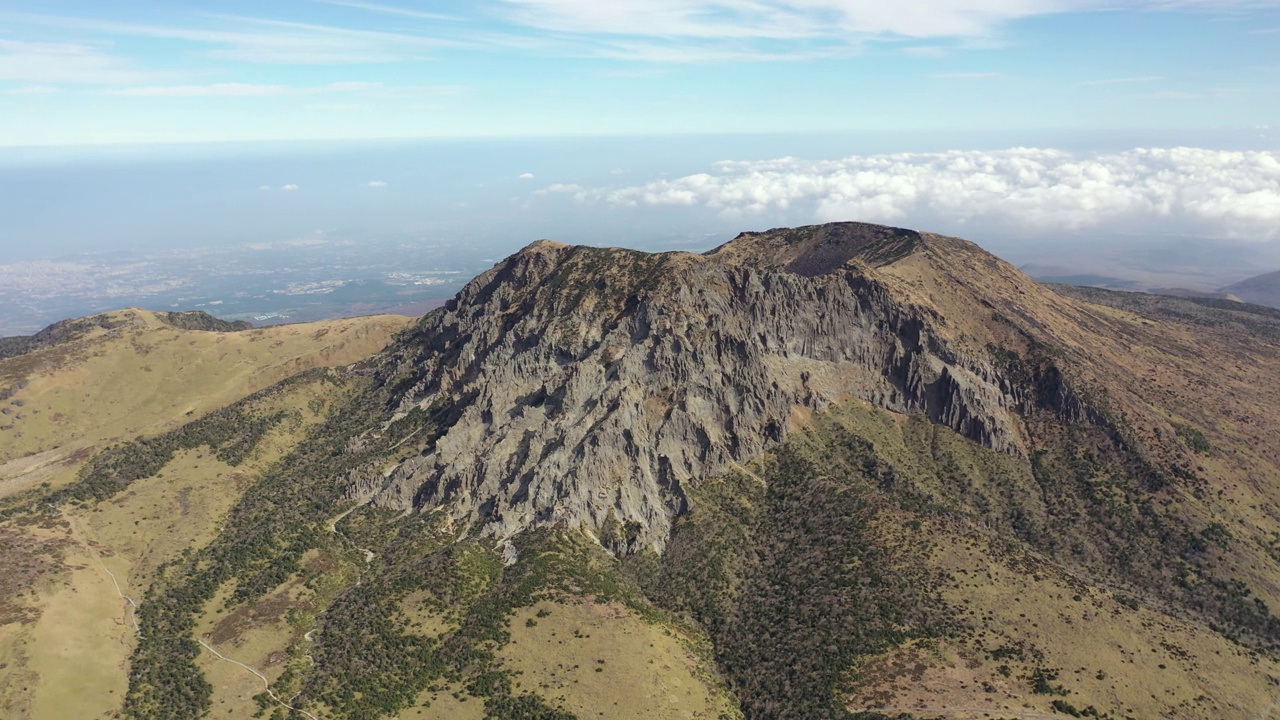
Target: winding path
75,535
133,615
985,712
265,682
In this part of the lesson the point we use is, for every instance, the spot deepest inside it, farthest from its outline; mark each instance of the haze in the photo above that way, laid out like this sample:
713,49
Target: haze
1068,136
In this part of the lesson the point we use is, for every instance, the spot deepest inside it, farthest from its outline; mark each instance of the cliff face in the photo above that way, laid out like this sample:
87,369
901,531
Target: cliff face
587,387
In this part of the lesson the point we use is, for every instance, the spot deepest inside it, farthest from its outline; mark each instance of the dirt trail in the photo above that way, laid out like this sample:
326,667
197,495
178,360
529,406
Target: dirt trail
985,713
75,535
133,615
265,682
333,528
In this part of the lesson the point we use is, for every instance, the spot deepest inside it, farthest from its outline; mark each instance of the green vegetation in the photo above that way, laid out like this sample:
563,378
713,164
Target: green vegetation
373,661
56,334
203,321
1193,438
800,573
614,279
265,537
232,433
369,662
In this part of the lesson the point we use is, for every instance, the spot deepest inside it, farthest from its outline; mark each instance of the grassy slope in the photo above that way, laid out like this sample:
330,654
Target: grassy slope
145,376
77,631
1122,657
605,660
978,616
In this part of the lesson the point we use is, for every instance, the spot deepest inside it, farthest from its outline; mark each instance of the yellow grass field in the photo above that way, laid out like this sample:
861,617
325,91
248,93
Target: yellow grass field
1027,616
63,622
604,661
145,377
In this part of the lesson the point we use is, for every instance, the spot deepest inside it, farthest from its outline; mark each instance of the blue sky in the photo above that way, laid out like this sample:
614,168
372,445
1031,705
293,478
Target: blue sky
1063,132
78,72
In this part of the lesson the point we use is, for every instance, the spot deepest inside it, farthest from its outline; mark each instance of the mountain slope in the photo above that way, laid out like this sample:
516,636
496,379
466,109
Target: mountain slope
592,383
1263,289
80,384
616,381
846,470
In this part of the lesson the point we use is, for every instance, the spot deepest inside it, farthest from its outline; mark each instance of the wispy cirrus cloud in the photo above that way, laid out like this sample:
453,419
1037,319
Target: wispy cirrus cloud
223,90
700,31
1136,80
656,31
775,19
1221,193
246,90
30,90
391,10
259,40
1172,95
69,63
966,76
802,19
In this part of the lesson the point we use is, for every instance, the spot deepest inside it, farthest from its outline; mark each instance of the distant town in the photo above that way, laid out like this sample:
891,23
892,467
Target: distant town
263,284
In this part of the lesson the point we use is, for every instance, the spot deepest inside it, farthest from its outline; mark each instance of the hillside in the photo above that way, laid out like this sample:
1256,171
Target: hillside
826,472
1263,289
81,384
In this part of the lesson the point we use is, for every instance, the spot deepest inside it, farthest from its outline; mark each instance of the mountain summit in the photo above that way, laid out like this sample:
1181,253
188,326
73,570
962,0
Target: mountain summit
586,387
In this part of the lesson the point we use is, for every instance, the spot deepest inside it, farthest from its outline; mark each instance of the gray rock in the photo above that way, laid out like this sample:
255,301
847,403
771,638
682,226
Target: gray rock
589,387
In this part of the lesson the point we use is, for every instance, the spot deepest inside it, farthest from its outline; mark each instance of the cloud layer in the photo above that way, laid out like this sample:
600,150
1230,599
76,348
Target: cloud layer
1212,192
800,19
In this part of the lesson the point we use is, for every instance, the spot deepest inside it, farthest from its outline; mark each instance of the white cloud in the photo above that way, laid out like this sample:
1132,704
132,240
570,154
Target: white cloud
377,184
290,186
967,76
563,189
214,90
242,90
775,19
264,188
526,176
1229,194
1172,95
70,63
351,87
807,19
1122,81
261,41
30,90
390,10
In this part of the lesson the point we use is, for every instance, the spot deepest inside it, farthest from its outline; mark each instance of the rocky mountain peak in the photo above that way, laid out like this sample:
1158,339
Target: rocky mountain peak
583,386
817,250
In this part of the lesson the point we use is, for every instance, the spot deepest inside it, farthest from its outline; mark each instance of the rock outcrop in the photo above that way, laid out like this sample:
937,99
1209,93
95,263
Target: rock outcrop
587,387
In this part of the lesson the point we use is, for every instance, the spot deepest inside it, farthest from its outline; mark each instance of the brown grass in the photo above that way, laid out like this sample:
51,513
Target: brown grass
604,661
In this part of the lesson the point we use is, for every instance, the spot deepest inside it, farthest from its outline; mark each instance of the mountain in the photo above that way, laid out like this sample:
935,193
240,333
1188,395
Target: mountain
824,472
81,384
116,386
1262,289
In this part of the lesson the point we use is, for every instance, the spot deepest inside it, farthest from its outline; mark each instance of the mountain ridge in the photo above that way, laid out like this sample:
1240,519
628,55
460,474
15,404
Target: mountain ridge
856,471
1262,289
837,331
